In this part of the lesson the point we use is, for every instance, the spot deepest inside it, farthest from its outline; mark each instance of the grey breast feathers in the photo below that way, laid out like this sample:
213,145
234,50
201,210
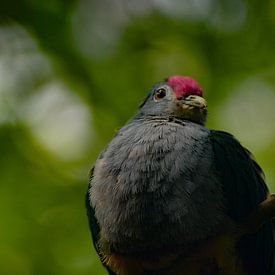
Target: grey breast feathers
156,185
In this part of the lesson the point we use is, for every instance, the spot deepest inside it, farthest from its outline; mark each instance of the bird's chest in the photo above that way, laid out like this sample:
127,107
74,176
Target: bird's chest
153,185
150,157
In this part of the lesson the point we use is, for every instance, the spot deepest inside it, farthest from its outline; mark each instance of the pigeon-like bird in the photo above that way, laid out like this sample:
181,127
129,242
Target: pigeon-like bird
169,196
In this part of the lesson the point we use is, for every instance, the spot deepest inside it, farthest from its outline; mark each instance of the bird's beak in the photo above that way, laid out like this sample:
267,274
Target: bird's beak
194,101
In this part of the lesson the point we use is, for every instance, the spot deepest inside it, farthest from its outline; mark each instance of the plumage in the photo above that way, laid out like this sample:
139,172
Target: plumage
244,189
168,193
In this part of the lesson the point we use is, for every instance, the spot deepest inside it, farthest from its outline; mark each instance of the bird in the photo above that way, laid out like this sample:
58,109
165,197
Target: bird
170,196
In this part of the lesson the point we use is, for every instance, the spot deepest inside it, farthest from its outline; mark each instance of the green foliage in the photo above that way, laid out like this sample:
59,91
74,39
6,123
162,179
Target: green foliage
73,72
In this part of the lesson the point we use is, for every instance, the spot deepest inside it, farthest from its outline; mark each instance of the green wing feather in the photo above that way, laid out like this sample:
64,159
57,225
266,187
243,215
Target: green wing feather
244,188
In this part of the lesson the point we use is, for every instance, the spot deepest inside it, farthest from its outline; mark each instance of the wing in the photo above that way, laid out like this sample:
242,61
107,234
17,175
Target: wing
244,188
93,224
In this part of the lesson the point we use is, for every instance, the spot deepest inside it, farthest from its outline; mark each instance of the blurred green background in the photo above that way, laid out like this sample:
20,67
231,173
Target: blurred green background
72,72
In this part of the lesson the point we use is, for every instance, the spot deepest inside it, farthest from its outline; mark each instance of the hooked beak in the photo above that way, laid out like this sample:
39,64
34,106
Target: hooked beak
194,101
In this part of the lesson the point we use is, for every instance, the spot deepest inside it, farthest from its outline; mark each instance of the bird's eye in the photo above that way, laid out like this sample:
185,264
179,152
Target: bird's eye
160,93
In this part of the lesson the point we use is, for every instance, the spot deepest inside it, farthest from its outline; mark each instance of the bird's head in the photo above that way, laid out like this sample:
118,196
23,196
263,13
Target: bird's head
178,96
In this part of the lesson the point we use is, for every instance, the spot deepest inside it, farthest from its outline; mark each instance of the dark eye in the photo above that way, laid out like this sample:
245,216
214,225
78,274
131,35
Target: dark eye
160,93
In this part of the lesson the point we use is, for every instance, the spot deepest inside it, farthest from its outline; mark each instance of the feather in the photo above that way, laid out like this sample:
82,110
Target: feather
244,188
93,224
